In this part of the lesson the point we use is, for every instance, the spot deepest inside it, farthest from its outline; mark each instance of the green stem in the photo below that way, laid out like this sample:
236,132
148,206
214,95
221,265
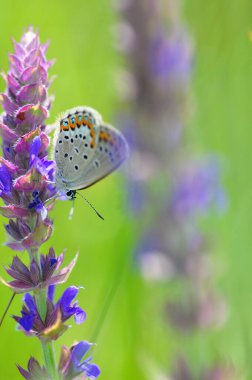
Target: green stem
50,361
48,349
40,295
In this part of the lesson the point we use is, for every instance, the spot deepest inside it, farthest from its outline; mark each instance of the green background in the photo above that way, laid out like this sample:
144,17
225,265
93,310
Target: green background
133,329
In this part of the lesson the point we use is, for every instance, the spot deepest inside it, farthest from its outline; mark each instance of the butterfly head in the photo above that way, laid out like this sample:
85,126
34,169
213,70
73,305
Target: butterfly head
70,194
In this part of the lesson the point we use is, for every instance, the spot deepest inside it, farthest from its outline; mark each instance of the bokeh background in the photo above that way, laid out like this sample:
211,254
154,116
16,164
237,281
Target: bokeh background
125,312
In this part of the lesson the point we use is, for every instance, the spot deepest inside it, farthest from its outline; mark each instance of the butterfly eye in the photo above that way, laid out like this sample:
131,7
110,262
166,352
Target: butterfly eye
73,120
65,123
86,117
91,120
80,117
70,194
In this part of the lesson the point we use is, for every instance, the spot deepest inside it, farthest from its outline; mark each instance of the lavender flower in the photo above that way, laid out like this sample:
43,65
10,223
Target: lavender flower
26,187
25,171
38,276
70,365
183,371
34,371
159,62
53,325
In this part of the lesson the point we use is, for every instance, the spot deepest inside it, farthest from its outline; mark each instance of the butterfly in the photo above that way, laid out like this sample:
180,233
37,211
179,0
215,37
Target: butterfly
86,150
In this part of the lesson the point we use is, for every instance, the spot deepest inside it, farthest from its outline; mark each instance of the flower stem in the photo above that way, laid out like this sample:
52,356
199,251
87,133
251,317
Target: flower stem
50,361
48,349
40,294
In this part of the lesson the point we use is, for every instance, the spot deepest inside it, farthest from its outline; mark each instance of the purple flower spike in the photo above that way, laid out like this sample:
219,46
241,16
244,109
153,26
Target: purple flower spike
24,166
28,192
71,364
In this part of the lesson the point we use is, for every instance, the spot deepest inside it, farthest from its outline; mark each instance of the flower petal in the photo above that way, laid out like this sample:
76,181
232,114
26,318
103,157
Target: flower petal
79,316
68,296
23,144
8,134
13,211
63,275
15,64
28,182
92,371
79,351
29,301
5,180
34,74
9,165
51,291
31,93
18,49
24,373
8,105
17,287
26,321
41,234
31,114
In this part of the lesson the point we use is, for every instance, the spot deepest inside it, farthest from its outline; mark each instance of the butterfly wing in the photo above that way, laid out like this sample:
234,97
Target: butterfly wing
111,151
76,141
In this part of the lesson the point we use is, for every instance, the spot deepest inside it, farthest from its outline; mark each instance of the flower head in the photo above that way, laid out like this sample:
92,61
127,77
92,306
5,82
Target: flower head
37,277
72,363
57,314
34,372
25,171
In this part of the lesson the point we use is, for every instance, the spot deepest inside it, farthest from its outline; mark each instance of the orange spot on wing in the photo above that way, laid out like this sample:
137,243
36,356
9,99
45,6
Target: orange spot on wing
92,132
77,121
64,127
106,137
72,125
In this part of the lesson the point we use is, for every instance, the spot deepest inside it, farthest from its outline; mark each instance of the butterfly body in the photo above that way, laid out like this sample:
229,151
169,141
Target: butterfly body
86,150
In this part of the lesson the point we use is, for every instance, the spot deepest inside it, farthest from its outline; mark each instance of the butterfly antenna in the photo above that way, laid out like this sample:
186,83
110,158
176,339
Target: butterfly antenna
7,308
90,204
70,217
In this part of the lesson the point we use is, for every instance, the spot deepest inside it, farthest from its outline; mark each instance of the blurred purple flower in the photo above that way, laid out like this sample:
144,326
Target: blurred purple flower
197,311
170,57
165,189
183,371
197,190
